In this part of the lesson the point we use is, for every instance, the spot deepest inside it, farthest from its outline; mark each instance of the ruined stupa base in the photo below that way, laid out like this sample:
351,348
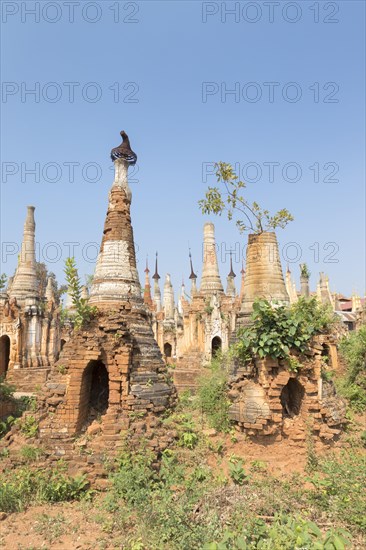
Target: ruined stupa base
270,402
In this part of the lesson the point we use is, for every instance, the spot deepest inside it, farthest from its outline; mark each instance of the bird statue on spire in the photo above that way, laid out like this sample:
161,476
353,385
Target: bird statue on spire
124,151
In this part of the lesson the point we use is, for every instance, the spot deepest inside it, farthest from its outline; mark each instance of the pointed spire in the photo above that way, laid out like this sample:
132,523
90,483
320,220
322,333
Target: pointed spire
230,288
156,275
192,275
210,281
157,293
231,273
25,284
49,294
168,298
116,277
147,288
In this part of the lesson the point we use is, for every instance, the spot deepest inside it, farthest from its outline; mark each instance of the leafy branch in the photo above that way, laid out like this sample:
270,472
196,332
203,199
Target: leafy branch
228,197
84,312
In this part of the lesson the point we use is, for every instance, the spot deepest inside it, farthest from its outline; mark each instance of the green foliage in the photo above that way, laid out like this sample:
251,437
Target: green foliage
6,424
316,317
228,197
135,477
353,384
84,313
236,471
62,369
212,396
30,453
304,271
276,330
22,487
6,389
3,280
43,274
285,533
339,484
28,425
188,439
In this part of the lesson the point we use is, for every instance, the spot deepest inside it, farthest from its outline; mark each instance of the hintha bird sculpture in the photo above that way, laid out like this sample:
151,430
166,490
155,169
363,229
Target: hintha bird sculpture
124,151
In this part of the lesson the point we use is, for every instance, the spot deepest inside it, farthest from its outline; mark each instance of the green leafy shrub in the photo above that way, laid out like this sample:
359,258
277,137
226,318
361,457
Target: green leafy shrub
353,384
285,533
135,477
6,424
21,487
276,330
339,484
237,472
212,396
188,439
28,425
31,453
6,389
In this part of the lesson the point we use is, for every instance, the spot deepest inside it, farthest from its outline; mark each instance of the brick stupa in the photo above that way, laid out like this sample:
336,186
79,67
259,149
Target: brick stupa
112,369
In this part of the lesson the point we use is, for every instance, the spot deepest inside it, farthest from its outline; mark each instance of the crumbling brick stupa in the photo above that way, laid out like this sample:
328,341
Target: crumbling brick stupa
111,371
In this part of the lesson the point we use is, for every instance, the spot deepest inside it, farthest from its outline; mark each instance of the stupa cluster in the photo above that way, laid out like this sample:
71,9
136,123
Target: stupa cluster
117,365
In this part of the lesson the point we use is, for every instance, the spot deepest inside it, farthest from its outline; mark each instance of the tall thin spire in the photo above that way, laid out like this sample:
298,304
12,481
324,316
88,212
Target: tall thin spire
230,289
210,281
193,276
156,275
116,277
25,284
168,298
231,273
157,293
147,288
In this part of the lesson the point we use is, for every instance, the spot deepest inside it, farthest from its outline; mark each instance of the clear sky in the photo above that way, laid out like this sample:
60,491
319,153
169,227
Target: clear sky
163,71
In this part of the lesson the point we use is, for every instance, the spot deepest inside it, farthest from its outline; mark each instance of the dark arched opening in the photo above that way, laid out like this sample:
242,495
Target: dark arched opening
62,343
216,345
291,398
94,393
167,349
4,354
326,354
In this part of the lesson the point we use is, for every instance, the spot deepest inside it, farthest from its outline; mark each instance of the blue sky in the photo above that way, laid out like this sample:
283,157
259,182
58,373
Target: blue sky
177,124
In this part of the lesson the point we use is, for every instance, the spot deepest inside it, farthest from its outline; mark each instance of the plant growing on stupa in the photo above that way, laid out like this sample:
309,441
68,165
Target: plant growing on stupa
304,271
3,279
228,197
84,312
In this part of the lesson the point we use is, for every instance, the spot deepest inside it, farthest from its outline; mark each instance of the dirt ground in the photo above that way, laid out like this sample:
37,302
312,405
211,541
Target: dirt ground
83,526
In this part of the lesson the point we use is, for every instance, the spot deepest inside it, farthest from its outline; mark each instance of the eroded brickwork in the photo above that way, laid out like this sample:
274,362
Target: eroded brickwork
268,399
